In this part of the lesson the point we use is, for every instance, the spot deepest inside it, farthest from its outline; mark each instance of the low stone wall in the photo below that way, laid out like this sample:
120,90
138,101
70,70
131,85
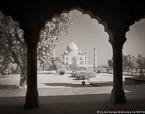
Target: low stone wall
134,80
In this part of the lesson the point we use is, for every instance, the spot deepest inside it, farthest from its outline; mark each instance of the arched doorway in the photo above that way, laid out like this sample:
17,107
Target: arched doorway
86,42
134,61
111,11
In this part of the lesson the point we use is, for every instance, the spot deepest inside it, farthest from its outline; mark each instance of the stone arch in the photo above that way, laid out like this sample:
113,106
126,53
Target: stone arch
134,21
97,17
135,39
89,13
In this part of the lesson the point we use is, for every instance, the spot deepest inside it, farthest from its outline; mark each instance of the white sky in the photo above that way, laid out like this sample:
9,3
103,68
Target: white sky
135,43
87,34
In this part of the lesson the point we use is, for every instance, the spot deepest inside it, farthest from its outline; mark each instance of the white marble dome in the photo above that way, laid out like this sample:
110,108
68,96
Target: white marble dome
66,52
72,48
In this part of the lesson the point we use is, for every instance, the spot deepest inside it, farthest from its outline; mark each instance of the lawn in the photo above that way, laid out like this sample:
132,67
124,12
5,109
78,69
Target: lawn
53,80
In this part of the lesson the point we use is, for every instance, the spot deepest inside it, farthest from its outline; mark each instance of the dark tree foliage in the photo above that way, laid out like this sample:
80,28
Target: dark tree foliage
12,45
50,37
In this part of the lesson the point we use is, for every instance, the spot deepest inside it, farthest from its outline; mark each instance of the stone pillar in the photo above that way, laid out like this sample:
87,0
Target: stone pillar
31,34
117,94
32,98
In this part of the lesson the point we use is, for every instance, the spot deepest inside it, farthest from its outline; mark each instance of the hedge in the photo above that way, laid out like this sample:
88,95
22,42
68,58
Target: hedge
85,74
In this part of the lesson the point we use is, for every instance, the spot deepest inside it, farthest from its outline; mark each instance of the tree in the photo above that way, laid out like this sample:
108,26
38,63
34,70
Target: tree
110,63
141,64
50,37
127,64
12,45
73,67
13,48
59,64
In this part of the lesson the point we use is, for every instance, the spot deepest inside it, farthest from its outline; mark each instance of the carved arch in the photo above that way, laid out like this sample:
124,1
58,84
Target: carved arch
92,16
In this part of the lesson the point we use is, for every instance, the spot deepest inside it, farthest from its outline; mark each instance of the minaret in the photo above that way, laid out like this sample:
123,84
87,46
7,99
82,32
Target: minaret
86,58
95,57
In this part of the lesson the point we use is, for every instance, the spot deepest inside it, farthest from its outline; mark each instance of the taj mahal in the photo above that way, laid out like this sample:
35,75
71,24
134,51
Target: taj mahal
73,55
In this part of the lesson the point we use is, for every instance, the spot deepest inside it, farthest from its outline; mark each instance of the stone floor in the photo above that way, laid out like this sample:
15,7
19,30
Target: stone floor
73,105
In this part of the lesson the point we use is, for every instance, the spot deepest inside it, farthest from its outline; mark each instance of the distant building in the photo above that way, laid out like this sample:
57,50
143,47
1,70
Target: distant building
73,55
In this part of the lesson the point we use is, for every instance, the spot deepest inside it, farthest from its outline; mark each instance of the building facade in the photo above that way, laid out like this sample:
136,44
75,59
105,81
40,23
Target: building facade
72,56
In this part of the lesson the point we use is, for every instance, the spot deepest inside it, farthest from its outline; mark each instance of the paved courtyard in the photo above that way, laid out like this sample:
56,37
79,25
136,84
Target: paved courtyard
47,80
55,85
63,94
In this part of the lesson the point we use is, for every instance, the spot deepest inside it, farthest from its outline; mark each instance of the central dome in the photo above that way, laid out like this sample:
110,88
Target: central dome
72,48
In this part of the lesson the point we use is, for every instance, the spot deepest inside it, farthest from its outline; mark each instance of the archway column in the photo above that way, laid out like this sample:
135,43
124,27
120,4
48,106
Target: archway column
32,97
118,94
31,34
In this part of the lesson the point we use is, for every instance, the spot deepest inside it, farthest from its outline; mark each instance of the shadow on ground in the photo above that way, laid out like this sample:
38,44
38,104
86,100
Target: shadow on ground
67,85
101,84
9,87
76,104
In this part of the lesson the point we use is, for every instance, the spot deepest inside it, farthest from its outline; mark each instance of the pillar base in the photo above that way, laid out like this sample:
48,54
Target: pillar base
32,100
118,96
